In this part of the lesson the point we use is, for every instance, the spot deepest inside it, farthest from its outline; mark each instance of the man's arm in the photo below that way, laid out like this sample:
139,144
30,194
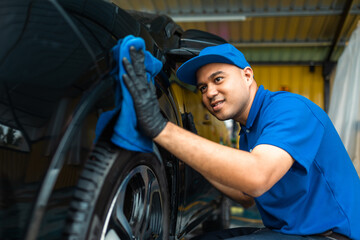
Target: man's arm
251,173
245,200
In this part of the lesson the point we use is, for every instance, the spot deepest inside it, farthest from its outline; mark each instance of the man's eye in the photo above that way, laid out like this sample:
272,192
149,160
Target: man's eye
202,89
218,79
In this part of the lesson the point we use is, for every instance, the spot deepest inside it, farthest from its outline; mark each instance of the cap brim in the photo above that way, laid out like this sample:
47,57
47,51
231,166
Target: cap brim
187,71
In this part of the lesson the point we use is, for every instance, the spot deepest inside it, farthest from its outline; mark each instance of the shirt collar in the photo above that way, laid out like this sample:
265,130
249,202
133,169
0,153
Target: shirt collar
255,107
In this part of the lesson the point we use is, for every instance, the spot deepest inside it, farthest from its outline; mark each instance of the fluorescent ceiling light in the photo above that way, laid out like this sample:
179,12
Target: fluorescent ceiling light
208,17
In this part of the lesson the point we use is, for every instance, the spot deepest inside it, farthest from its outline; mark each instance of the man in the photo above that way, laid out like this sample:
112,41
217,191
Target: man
292,162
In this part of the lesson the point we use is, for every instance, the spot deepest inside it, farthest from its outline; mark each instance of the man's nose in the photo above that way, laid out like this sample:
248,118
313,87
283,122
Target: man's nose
211,91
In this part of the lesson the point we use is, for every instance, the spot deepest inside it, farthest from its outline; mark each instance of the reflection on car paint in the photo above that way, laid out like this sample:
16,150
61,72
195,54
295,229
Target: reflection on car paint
13,138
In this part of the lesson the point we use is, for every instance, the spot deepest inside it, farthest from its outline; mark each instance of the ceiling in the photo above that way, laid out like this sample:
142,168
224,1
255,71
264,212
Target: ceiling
310,32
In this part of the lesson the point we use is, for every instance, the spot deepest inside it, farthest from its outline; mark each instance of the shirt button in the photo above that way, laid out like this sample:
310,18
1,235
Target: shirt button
247,131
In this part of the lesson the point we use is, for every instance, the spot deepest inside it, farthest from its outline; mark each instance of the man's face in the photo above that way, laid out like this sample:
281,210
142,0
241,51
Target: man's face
225,90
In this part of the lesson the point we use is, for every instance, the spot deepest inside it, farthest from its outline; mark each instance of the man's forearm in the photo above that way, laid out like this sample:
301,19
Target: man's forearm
245,200
216,162
187,150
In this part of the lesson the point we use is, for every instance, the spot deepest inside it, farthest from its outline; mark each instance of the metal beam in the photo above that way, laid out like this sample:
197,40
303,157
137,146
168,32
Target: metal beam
328,65
241,16
340,28
285,44
286,63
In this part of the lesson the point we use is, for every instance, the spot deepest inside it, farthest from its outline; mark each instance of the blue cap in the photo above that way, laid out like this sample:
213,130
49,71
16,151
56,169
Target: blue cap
224,53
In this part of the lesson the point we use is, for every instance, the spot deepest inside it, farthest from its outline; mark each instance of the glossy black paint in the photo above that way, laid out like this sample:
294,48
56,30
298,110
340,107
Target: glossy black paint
54,82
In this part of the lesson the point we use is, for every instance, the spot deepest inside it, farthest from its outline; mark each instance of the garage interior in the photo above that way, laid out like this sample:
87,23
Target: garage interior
280,38
59,53
292,45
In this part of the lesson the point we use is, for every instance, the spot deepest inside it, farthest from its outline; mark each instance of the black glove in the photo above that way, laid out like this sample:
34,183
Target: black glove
150,120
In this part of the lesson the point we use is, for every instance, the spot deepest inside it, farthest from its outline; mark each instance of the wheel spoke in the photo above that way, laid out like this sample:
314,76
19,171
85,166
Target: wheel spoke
117,211
112,235
136,211
144,228
152,220
141,203
156,211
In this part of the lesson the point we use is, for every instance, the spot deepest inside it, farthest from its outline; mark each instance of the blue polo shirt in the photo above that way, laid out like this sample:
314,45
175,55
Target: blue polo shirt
321,191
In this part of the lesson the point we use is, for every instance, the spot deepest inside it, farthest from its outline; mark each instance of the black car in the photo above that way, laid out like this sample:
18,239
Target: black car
55,82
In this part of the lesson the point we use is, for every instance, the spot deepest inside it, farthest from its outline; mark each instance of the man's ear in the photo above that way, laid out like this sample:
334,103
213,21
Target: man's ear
249,74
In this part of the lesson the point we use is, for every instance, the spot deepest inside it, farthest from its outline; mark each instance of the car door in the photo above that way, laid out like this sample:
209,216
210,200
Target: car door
199,198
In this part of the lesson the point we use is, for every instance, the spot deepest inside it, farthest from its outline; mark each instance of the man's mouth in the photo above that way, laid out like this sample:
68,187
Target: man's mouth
216,106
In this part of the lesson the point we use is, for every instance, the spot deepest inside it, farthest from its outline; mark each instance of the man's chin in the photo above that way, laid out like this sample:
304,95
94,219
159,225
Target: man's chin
221,117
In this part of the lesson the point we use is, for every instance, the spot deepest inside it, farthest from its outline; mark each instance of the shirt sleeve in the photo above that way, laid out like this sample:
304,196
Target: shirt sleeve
289,123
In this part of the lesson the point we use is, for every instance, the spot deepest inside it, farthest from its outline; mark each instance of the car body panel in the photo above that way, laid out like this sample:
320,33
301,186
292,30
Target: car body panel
53,89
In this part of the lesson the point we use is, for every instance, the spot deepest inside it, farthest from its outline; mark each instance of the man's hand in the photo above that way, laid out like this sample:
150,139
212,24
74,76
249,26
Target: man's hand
150,120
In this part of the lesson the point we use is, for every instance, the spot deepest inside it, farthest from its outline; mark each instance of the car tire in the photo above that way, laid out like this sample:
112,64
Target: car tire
120,195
